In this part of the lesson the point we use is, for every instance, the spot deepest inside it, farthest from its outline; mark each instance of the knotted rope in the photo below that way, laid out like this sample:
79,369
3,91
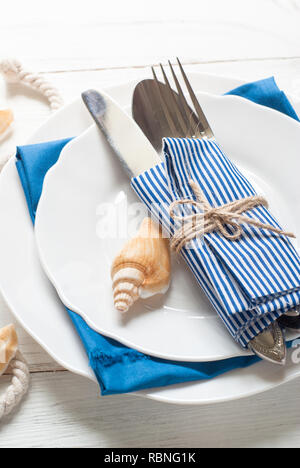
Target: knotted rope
14,72
216,219
19,385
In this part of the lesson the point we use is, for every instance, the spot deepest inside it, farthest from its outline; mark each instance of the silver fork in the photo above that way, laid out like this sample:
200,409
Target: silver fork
182,121
189,123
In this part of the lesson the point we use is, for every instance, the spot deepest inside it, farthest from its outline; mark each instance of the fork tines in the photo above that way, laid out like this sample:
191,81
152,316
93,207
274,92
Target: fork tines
182,120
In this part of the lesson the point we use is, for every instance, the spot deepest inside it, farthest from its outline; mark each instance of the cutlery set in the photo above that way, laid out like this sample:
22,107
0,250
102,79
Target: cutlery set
161,112
169,153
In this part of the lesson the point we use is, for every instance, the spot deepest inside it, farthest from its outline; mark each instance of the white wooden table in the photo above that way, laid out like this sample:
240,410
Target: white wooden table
98,43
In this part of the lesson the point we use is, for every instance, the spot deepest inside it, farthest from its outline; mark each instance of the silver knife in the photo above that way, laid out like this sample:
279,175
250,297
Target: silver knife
147,100
136,155
127,140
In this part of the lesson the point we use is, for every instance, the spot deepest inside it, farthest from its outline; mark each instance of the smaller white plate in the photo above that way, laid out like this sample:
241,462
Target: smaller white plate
181,325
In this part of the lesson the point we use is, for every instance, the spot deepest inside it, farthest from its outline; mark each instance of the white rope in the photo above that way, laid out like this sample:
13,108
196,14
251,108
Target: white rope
14,72
19,385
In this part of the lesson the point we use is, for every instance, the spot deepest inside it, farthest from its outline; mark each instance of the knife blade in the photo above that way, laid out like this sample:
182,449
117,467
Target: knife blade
127,140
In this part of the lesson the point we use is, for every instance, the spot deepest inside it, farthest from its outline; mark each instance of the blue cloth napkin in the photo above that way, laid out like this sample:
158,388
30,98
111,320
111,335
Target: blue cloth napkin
266,93
118,368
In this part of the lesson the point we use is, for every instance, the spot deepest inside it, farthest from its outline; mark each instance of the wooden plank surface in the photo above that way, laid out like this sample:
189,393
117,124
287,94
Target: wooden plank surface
100,35
95,43
64,410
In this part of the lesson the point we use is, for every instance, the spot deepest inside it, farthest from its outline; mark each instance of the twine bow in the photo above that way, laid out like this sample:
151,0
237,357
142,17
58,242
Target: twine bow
216,219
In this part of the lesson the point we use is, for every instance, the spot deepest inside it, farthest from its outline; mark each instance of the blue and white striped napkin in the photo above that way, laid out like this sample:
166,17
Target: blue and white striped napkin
251,281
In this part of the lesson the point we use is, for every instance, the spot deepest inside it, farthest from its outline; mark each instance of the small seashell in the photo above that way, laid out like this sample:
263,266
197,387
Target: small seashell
8,346
6,119
142,268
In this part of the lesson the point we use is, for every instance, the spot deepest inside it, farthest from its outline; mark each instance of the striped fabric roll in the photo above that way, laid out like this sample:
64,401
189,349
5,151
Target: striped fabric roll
250,281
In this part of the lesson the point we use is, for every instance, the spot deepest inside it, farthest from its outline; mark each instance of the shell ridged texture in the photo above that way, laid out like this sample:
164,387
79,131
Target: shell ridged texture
142,268
8,346
6,119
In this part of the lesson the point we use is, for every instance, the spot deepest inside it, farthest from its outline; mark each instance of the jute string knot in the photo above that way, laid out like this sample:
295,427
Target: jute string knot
216,219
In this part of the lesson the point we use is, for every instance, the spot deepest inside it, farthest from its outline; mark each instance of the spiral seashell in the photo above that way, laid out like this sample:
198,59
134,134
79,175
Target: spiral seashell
6,119
8,346
142,268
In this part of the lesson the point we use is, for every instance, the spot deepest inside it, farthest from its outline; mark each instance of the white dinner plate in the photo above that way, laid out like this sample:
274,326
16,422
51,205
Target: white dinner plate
34,302
182,325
